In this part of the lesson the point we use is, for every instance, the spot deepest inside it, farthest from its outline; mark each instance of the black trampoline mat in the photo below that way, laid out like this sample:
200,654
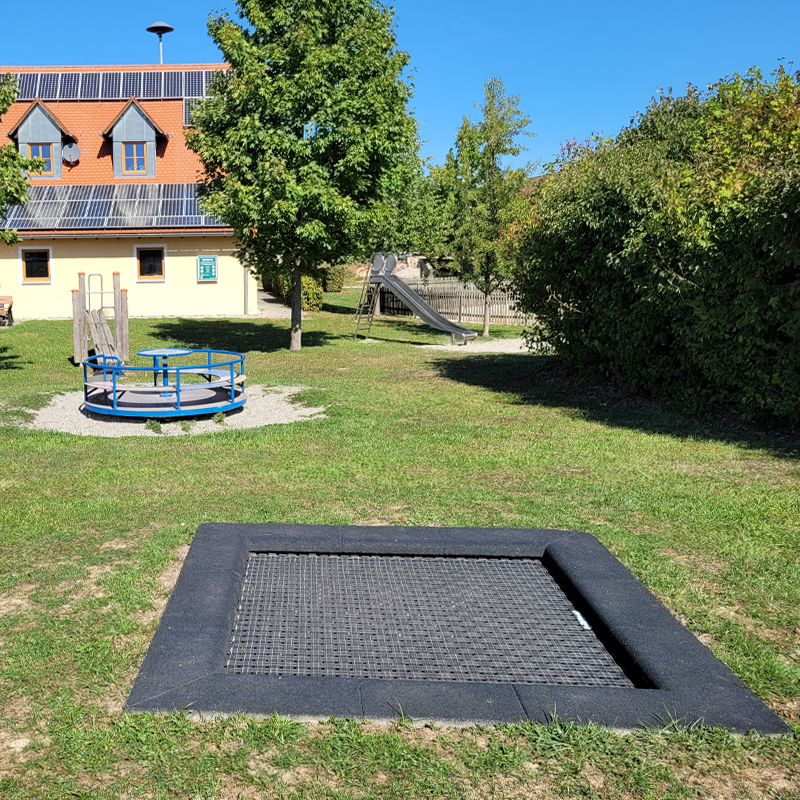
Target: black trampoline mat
445,619
458,625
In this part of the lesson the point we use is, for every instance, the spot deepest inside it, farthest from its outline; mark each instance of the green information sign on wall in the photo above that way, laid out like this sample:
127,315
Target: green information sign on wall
206,269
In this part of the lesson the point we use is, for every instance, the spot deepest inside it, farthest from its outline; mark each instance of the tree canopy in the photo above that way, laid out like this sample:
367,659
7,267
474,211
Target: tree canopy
477,191
306,138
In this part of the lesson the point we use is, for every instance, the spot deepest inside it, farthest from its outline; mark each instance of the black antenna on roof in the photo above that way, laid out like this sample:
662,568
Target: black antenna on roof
160,28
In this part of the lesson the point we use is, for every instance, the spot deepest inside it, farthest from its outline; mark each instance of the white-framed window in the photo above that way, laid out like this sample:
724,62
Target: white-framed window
151,263
35,264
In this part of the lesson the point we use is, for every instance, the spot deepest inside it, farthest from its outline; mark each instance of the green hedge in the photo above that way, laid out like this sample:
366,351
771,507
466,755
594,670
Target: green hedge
333,279
669,259
313,295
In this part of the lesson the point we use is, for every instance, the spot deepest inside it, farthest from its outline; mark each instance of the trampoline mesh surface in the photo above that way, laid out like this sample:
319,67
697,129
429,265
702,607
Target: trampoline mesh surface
423,618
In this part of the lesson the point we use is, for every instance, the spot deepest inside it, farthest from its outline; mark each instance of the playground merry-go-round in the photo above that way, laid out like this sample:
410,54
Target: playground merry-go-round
181,382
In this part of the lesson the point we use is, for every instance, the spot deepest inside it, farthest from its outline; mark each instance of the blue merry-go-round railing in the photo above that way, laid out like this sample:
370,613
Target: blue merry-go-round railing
212,381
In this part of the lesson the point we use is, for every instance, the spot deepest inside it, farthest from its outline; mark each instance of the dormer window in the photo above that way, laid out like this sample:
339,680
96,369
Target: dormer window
134,158
40,134
133,135
45,152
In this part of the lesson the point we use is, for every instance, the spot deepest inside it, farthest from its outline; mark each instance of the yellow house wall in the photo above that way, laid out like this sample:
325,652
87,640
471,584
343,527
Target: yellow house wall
179,294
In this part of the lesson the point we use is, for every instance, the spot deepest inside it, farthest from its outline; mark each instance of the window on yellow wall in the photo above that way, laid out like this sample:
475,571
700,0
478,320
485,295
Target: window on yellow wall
35,266
134,158
45,152
150,263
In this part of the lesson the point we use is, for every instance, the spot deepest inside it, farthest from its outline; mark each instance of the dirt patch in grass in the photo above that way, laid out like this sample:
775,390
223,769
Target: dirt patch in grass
12,746
17,601
164,585
789,709
744,783
304,775
115,544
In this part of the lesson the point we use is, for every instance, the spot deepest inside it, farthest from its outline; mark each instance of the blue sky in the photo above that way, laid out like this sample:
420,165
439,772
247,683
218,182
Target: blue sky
579,68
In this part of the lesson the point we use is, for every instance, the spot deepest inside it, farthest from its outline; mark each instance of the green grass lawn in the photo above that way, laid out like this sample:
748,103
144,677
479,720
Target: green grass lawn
705,513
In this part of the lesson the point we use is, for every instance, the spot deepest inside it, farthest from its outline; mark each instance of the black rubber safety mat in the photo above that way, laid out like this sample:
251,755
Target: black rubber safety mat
428,595
446,619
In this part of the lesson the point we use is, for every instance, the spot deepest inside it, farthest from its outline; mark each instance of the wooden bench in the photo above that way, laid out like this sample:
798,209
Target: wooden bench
6,317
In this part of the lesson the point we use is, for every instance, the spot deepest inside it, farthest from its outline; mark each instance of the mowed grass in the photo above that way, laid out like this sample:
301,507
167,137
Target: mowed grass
705,513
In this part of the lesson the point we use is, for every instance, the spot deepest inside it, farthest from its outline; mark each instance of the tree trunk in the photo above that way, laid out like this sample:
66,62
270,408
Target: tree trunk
297,308
485,315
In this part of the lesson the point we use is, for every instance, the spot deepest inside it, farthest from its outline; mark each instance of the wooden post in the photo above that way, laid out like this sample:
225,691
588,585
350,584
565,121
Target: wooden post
115,280
79,352
123,342
376,287
82,296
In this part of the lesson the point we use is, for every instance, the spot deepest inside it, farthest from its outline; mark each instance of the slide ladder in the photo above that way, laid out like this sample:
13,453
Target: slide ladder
371,292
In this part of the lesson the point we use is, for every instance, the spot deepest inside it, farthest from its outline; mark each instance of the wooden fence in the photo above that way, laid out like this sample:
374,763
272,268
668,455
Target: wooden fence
458,302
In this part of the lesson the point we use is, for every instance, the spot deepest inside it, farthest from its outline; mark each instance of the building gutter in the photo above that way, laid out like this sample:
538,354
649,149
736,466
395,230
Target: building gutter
121,234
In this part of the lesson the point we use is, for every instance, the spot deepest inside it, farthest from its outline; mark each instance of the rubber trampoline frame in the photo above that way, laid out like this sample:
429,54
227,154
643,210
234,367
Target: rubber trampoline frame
678,680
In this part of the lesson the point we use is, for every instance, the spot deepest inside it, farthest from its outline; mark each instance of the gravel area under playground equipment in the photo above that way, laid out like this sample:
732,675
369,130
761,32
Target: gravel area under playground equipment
265,406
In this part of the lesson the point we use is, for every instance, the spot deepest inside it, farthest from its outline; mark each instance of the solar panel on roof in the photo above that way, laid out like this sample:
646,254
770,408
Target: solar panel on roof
173,208
111,206
98,208
48,85
69,85
75,209
193,83
28,84
90,85
126,191
172,190
151,84
189,104
80,192
210,75
112,83
132,84
173,84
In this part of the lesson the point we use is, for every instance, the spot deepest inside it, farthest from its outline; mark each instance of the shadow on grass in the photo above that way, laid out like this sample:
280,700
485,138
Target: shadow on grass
543,381
389,327
238,336
336,308
9,359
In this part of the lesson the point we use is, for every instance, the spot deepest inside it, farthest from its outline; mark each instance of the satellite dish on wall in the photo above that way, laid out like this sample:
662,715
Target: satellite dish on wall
71,153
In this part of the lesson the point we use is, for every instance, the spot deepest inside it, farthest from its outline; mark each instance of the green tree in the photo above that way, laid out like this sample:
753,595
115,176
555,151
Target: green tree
478,191
303,139
13,166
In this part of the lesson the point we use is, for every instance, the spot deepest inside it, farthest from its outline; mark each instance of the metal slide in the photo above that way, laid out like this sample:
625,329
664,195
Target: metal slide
381,275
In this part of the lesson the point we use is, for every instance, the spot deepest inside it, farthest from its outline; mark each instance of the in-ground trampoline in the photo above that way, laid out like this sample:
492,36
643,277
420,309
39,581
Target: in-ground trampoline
459,625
